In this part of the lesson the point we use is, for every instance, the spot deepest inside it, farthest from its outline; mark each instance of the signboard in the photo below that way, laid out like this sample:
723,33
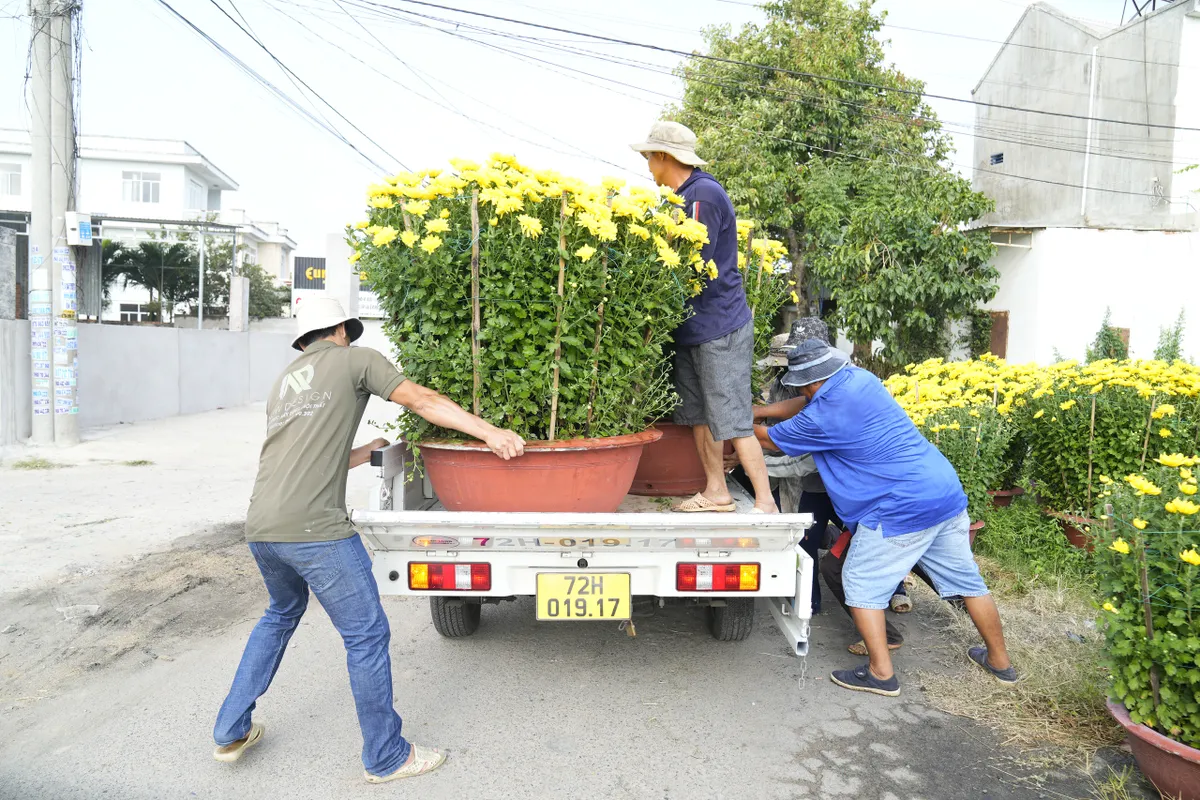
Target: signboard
308,278
309,273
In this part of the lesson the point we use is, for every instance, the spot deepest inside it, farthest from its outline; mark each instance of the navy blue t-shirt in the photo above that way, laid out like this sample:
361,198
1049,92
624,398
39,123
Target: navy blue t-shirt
721,308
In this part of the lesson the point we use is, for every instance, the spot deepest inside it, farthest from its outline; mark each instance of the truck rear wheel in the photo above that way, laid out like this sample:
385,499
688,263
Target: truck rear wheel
733,621
454,618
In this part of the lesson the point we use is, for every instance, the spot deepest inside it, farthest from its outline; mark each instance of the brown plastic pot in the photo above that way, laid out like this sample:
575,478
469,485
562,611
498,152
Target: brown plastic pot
589,475
671,466
974,530
1172,767
1001,498
1073,529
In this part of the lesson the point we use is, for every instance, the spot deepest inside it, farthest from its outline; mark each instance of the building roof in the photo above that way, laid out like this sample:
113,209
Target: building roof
127,148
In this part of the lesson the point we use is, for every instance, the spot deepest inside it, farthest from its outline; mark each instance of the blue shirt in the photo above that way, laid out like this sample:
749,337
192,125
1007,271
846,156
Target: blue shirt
877,467
721,308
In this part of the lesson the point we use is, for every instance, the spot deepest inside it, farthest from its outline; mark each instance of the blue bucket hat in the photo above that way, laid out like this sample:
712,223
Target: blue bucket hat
813,361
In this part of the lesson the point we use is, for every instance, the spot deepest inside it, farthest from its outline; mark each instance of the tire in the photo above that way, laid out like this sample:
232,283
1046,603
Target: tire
454,618
733,621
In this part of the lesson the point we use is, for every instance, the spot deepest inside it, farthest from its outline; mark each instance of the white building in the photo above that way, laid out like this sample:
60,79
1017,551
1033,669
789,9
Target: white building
1093,210
133,189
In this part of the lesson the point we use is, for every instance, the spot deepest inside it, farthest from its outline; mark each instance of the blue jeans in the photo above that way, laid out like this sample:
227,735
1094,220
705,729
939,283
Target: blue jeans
339,573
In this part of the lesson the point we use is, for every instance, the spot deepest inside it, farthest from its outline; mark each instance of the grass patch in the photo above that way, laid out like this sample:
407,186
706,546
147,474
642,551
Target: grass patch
36,462
139,462
1045,592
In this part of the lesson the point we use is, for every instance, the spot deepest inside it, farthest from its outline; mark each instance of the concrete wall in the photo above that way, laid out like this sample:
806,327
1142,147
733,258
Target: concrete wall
1057,291
1130,169
16,388
131,373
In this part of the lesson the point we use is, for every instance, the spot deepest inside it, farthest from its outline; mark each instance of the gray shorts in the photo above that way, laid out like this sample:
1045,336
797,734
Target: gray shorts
715,384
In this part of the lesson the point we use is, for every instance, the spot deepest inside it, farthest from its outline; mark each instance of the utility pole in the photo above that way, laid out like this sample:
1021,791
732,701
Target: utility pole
65,297
40,237
200,313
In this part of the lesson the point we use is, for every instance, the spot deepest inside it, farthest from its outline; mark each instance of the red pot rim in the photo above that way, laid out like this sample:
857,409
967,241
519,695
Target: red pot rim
1015,492
557,446
1151,736
1073,519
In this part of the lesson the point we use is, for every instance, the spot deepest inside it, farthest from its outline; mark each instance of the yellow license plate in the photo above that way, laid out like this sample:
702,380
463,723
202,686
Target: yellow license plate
573,596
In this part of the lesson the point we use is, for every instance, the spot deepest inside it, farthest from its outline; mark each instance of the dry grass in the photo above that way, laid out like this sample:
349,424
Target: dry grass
1049,629
35,462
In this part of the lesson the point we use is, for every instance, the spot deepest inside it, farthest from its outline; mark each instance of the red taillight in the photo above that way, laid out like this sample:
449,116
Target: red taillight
450,577
716,577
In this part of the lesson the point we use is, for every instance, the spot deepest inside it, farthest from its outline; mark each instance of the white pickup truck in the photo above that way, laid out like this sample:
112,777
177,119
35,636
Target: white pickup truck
581,567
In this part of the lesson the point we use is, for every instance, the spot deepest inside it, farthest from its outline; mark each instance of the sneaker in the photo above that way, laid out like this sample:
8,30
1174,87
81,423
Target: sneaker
421,761
228,753
861,679
979,656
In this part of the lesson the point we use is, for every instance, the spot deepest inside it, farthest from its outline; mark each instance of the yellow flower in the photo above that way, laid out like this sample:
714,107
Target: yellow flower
361,226
437,226
1186,474
585,253
417,207
668,256
409,238
1181,506
1140,523
1109,607
713,272
1142,485
1187,488
1164,433
1120,546
1165,410
1040,413
1105,480
444,213
1099,387
380,202
493,222
638,231
1069,404
530,226
1191,557
384,236
795,297
354,260
1175,460
431,243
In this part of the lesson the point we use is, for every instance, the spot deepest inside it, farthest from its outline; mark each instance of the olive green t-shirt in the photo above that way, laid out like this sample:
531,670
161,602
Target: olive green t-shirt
313,412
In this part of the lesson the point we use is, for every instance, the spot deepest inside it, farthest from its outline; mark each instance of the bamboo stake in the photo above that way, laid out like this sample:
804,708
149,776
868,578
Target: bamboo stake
475,321
562,276
1149,616
407,221
599,331
1091,442
1149,425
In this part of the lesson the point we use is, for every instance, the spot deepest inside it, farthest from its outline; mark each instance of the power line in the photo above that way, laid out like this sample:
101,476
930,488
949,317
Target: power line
781,70
274,90
317,94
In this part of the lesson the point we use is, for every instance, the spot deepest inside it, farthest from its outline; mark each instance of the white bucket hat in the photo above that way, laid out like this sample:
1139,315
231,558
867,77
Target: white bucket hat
675,140
317,313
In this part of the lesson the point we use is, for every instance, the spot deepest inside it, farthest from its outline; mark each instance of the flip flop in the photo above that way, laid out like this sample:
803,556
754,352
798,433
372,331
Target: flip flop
859,648
699,503
424,759
232,752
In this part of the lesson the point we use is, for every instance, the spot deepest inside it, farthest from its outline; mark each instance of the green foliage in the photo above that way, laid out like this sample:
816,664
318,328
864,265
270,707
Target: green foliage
267,298
1148,559
1108,343
851,177
1170,341
974,439
978,337
1024,540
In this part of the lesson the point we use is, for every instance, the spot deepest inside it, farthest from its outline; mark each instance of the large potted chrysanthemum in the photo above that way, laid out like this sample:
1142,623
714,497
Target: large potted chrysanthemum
543,304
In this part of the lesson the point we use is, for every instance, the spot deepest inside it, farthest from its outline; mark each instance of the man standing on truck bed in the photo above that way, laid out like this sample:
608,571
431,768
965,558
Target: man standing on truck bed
714,347
300,534
898,494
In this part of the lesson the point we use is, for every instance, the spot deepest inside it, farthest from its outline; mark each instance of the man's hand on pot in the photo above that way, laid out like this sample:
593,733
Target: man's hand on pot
731,461
505,444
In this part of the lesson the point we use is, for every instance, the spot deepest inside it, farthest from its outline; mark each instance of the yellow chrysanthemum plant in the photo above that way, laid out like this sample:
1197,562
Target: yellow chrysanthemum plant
544,303
1148,569
766,275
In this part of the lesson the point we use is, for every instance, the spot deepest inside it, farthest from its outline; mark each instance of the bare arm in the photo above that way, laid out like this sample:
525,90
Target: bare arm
445,413
784,409
361,455
764,439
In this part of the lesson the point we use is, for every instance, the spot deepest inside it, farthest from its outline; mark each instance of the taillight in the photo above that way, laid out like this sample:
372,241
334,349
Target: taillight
450,577
716,577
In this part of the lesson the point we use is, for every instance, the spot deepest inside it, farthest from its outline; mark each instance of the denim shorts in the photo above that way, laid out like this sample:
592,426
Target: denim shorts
875,564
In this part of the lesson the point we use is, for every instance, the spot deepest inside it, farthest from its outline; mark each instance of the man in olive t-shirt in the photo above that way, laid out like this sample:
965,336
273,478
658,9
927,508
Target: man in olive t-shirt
300,534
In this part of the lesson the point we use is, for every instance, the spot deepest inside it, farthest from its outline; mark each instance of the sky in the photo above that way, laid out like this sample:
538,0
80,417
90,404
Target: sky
419,96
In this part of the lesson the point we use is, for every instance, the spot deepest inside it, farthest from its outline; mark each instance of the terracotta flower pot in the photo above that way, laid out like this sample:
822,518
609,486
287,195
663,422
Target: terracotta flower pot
588,475
1002,498
671,466
1073,529
976,527
1173,768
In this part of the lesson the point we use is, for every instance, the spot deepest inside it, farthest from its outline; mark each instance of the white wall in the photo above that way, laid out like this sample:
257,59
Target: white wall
24,200
16,402
130,373
100,189
1056,292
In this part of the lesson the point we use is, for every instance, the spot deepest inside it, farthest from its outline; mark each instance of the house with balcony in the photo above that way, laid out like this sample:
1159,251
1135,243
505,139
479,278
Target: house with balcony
1095,205
135,189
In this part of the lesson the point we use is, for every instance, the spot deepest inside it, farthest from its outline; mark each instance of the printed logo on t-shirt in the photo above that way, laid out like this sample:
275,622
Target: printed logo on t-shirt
298,381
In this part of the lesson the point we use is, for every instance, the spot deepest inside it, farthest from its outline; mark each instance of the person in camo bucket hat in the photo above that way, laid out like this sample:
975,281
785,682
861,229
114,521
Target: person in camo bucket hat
899,495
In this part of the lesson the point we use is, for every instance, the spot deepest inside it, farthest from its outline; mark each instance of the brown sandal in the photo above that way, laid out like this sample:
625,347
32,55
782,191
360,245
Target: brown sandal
859,648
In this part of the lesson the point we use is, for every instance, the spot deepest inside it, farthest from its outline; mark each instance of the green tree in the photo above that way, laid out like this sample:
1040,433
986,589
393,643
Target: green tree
1170,341
1108,342
267,298
852,177
168,269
